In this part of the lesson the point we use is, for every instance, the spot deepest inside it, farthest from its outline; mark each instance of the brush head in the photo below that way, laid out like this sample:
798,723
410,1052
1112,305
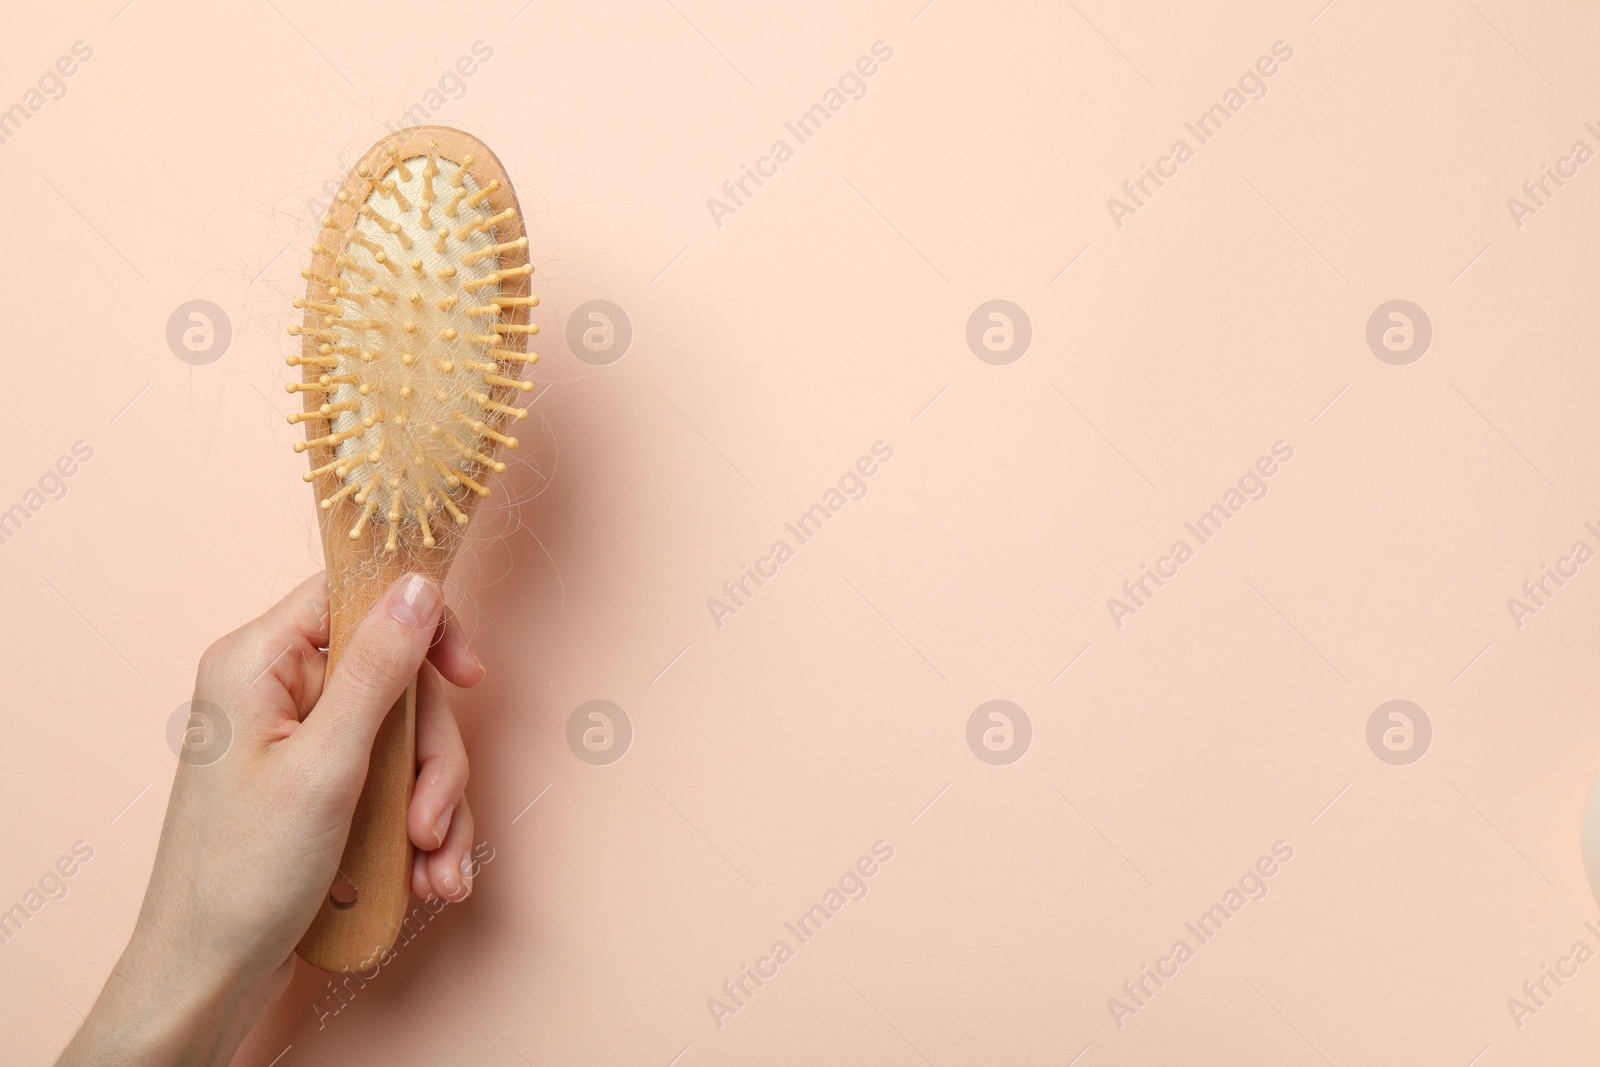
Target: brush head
413,334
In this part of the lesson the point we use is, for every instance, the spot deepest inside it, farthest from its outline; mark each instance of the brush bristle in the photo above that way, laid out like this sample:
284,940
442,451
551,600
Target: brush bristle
411,344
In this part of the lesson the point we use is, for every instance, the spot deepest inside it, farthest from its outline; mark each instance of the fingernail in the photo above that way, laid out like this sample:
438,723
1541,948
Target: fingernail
466,871
483,672
415,602
441,824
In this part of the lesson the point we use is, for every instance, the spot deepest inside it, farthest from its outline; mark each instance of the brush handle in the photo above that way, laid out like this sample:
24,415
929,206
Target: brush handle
377,857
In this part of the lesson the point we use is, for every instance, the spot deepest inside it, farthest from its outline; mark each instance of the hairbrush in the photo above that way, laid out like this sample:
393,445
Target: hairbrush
413,341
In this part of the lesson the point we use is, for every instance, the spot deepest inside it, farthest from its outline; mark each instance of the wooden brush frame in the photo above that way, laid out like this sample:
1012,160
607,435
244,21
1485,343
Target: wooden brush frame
377,857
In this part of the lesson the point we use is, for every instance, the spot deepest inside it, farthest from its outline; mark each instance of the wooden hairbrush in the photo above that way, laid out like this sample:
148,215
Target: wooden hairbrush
412,345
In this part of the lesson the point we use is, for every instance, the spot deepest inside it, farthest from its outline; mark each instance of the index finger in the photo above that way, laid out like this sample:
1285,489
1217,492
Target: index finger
452,655
303,613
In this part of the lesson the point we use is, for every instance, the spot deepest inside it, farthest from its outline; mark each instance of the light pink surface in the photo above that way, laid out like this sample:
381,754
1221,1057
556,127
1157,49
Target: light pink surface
829,312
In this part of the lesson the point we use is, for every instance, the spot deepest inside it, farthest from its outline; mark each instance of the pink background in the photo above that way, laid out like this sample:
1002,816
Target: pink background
827,313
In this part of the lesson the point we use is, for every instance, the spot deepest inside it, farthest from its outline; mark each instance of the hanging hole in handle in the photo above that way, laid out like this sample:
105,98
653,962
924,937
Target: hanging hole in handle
342,895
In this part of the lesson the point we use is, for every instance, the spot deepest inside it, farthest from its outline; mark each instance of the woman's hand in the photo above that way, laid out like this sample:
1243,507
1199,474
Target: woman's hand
252,839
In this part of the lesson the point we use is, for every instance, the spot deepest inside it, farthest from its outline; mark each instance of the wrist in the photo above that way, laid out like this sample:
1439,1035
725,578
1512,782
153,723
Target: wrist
169,1004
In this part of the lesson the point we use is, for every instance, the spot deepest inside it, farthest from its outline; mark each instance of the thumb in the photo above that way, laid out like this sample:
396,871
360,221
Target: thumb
376,666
